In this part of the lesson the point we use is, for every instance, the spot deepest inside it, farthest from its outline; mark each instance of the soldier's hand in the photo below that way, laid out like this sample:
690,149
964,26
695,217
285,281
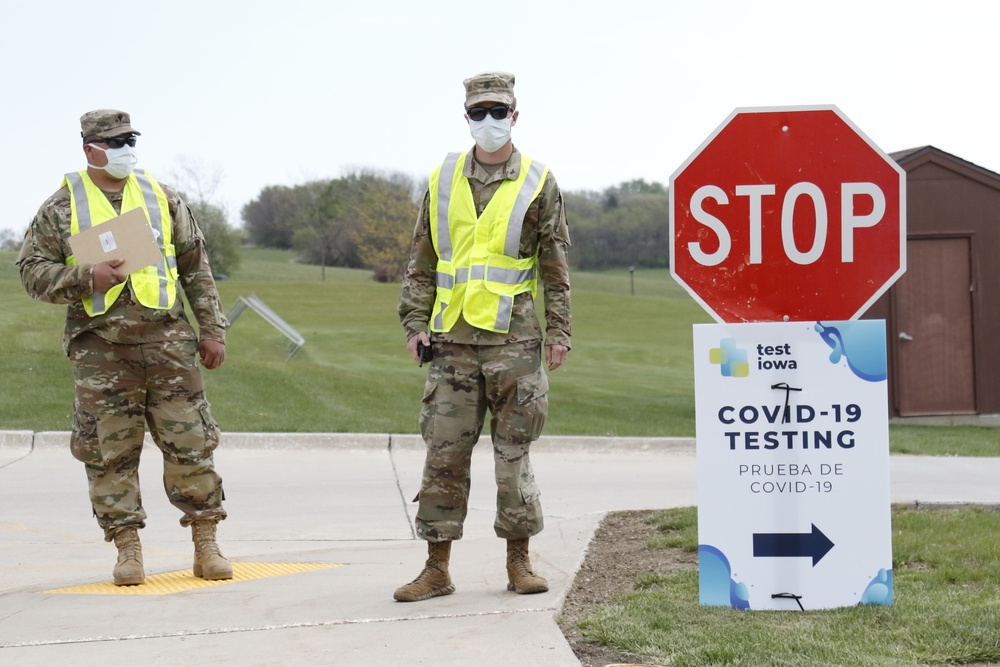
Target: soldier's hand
411,345
212,353
555,355
107,275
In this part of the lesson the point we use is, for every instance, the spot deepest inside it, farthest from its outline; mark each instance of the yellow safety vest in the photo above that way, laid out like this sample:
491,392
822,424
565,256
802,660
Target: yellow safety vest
478,270
155,285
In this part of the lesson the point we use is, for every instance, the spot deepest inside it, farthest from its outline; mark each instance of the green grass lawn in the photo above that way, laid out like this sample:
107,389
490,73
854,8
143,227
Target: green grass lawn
946,607
630,372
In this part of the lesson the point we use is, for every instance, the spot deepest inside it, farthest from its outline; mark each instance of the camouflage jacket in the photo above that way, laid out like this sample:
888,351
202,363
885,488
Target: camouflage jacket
47,277
544,233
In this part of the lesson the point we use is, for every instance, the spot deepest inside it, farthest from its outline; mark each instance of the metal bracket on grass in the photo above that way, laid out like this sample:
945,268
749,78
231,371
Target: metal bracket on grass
254,303
790,596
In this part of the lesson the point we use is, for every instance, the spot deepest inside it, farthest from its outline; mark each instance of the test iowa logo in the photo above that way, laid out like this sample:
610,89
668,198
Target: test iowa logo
732,361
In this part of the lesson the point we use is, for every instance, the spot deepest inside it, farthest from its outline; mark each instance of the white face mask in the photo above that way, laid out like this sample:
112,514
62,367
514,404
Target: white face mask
121,161
491,134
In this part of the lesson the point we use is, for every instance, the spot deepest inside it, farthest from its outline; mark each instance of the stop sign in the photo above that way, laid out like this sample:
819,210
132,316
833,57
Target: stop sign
787,214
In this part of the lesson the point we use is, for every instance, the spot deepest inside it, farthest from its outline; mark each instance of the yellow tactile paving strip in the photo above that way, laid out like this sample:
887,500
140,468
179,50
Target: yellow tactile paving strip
184,580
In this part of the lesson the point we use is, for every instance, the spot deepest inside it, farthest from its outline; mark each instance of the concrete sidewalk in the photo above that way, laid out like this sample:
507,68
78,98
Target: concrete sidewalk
342,505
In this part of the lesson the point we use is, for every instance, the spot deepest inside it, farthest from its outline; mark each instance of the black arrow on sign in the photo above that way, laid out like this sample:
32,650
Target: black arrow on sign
792,545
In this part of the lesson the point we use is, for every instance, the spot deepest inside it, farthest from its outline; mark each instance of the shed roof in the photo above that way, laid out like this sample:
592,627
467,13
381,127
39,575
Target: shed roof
912,158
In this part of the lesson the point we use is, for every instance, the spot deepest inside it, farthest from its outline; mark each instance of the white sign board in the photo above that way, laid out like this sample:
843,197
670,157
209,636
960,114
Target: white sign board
793,464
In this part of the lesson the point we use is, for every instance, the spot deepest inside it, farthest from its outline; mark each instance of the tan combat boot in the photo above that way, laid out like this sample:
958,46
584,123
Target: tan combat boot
519,575
434,580
209,563
128,569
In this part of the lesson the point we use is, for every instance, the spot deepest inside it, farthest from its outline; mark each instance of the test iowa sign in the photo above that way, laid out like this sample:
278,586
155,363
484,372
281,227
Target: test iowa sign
787,214
793,465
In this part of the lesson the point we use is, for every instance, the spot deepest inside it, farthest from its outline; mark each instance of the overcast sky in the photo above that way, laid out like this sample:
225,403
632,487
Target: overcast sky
271,93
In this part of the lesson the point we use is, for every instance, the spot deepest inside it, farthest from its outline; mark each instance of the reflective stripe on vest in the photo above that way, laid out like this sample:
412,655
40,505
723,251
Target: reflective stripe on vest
154,286
478,271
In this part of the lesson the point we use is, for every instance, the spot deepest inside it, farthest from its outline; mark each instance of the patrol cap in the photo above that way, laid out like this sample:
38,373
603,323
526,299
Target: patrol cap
490,87
105,123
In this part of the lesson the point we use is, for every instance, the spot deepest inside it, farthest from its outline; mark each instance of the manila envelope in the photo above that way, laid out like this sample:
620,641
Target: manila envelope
127,236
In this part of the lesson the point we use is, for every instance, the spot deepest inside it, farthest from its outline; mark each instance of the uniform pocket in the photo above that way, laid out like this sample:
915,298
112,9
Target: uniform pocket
529,490
429,388
427,409
533,398
532,387
210,427
84,443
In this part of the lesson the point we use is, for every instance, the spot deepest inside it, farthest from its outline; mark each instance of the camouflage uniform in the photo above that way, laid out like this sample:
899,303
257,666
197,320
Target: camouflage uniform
132,365
473,370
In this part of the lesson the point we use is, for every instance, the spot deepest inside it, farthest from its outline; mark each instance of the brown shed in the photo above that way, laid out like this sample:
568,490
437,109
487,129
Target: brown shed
943,316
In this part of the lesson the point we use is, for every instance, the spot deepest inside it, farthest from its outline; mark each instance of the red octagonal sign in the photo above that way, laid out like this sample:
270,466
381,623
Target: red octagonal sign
787,214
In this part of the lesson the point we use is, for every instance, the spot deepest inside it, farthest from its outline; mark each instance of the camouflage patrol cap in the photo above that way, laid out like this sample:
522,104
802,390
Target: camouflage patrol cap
490,87
105,123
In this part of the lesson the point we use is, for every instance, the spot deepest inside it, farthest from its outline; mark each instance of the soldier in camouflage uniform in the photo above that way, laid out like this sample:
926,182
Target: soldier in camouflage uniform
134,364
491,226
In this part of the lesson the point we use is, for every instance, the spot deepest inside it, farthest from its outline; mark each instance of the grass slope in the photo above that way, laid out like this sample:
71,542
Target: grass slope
946,607
630,372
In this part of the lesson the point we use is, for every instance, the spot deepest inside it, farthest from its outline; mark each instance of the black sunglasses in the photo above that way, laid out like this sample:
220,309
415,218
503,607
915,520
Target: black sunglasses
117,142
499,112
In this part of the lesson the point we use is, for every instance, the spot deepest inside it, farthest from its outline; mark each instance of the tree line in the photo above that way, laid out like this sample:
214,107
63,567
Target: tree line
626,225
363,220
366,218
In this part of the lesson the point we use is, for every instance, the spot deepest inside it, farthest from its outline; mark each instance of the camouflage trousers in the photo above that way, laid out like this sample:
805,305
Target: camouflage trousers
119,388
463,382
